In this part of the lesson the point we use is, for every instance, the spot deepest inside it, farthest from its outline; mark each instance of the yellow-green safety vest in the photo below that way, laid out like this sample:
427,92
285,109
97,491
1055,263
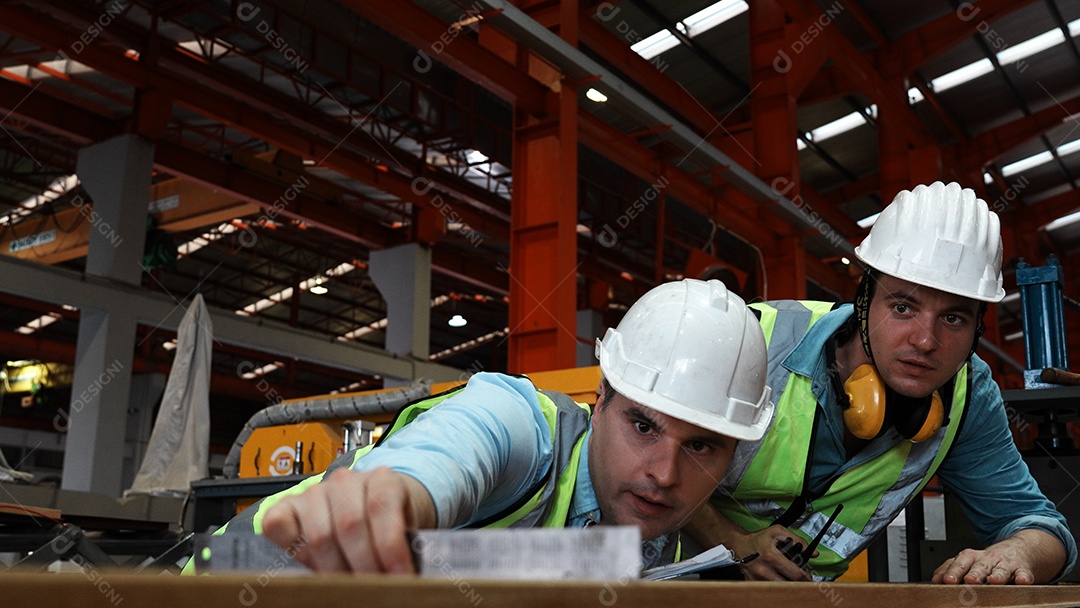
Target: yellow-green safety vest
768,475
545,505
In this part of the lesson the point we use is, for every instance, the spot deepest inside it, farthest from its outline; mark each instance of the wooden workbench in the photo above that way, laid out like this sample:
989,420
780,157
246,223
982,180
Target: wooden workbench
112,590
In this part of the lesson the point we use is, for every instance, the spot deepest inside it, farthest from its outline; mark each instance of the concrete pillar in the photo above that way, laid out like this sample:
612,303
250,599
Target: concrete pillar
116,174
402,275
146,391
97,416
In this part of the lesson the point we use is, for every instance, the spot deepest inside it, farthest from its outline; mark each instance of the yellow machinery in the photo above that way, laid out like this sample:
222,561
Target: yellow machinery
272,451
292,449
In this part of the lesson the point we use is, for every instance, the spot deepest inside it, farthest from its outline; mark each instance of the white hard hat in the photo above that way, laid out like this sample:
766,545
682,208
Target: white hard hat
692,350
940,236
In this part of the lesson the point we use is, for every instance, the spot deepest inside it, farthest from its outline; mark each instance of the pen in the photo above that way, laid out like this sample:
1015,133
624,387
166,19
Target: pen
747,559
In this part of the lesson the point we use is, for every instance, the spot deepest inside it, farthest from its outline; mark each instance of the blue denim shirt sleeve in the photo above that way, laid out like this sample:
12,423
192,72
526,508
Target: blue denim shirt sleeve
477,452
992,482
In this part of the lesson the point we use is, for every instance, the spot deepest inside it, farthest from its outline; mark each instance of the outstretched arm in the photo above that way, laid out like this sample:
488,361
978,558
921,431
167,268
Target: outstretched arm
1025,558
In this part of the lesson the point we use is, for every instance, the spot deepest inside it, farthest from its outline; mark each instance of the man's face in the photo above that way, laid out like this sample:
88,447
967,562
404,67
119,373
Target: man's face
651,470
920,336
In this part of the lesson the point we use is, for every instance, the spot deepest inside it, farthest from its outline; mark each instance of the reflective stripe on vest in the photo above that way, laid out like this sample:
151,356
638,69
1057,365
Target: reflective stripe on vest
770,473
547,505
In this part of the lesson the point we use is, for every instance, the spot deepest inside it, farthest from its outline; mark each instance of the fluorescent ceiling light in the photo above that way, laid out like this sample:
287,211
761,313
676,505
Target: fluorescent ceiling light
987,178
1027,163
1041,158
654,45
868,221
38,323
1069,148
287,293
914,96
694,25
381,323
838,126
262,371
800,144
712,16
962,75
1032,46
596,96
1010,54
205,239
1062,222
59,187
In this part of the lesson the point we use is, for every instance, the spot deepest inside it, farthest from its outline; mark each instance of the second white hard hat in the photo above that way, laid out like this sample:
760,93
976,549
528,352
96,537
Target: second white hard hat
940,236
692,350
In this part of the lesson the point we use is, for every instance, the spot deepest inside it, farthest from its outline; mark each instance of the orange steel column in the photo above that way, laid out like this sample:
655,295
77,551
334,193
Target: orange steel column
773,107
543,229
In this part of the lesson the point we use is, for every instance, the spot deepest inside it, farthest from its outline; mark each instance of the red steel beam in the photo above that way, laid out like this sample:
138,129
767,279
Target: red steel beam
921,45
976,153
84,127
436,39
890,95
543,230
1037,215
215,95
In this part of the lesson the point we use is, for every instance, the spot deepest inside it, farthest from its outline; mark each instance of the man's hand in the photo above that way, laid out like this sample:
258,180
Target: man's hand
353,522
771,563
1025,558
710,528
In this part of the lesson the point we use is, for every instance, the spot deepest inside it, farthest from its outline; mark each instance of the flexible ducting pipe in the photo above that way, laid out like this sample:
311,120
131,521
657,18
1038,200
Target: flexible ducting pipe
342,407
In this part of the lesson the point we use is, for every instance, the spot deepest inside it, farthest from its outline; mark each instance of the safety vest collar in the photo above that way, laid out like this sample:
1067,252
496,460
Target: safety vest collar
805,358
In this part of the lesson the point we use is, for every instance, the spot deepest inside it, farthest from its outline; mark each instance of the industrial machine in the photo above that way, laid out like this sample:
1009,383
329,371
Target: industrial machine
285,443
1051,392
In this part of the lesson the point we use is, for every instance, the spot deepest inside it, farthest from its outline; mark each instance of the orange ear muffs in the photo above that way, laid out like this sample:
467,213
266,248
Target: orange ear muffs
872,407
924,421
865,415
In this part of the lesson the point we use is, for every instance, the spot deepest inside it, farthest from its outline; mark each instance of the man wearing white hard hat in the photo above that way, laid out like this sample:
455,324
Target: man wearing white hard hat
683,382
875,398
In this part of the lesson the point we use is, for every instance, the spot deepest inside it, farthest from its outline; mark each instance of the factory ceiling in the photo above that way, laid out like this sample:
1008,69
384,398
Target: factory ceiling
292,139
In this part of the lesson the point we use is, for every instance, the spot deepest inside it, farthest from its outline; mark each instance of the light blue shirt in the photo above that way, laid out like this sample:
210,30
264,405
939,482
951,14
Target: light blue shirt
984,468
481,450
477,453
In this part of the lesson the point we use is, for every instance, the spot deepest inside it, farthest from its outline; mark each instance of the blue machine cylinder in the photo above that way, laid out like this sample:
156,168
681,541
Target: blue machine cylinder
1044,321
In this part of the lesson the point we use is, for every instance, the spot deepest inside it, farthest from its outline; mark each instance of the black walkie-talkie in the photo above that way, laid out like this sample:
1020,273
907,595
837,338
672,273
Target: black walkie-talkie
795,552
